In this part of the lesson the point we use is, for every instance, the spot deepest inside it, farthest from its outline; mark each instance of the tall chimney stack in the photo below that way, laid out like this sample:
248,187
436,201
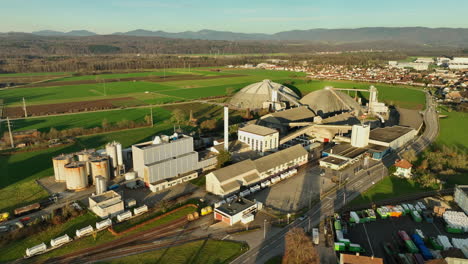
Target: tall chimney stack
226,128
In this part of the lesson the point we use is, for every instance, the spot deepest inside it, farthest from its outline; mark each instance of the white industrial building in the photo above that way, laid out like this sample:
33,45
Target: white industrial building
259,138
458,63
376,107
108,204
229,179
241,210
161,161
393,137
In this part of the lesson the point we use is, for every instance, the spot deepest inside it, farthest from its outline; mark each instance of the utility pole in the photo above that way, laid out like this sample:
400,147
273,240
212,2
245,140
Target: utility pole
11,135
152,122
264,228
24,108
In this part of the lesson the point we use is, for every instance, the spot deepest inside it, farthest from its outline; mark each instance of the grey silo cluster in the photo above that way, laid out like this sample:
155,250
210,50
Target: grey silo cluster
79,170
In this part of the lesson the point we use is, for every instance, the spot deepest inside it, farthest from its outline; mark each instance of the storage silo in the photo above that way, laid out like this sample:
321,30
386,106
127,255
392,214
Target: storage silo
85,156
76,178
130,177
101,184
118,148
59,163
111,151
100,166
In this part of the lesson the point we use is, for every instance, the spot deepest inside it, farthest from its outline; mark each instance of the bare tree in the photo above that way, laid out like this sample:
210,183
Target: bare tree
299,248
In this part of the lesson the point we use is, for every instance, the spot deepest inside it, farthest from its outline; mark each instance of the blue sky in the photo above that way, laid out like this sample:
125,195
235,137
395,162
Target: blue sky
262,16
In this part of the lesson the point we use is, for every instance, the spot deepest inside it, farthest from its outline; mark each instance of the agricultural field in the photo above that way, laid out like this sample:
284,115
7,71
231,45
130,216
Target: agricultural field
453,129
88,120
199,252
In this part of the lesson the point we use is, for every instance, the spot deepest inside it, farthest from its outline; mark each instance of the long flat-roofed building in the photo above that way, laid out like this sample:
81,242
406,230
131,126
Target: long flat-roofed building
107,204
393,137
241,210
229,179
259,138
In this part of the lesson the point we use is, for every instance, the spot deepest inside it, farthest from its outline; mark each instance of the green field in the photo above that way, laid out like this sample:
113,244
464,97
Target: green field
118,75
454,130
199,252
16,249
33,74
88,120
389,187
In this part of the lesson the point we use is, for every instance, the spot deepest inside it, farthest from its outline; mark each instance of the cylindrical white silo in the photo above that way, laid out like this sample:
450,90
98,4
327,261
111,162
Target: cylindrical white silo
111,151
59,163
76,178
118,147
100,166
101,184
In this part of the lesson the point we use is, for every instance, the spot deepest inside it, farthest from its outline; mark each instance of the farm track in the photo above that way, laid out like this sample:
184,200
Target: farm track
170,78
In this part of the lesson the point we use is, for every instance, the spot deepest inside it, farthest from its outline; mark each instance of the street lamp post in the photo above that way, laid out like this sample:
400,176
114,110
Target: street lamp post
264,228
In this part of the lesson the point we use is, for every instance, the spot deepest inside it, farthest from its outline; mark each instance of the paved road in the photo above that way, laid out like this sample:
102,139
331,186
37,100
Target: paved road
274,245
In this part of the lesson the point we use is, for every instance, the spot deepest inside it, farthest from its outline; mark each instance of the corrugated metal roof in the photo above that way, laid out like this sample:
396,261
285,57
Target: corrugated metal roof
258,130
266,163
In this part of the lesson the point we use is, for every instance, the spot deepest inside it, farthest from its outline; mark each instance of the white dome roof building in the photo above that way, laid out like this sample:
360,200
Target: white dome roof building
264,94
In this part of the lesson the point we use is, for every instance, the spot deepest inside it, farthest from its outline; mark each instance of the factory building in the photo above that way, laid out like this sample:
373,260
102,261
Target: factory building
376,107
282,120
393,137
166,161
107,204
461,197
259,138
241,210
229,179
340,156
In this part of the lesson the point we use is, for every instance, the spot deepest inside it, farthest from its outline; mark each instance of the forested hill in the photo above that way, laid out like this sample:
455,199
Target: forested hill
416,35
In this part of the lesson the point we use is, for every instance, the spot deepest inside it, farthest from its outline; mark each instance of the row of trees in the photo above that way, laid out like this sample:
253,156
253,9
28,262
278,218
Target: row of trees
438,163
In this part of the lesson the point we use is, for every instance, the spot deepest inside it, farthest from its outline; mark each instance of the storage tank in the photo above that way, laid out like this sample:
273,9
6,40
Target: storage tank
84,231
130,177
100,166
124,216
140,210
101,184
60,240
36,250
118,147
59,163
85,156
75,175
111,151
103,224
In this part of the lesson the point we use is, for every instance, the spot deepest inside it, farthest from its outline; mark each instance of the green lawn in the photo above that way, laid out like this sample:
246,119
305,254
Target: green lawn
16,249
88,120
198,252
389,187
19,171
454,129
33,74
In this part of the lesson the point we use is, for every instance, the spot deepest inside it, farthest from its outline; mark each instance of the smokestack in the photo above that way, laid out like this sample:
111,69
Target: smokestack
226,128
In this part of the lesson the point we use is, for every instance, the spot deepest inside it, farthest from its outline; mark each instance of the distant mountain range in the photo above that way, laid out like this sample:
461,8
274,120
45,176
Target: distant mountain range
414,35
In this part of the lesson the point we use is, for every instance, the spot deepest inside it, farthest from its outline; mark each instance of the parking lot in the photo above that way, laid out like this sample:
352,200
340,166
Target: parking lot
372,235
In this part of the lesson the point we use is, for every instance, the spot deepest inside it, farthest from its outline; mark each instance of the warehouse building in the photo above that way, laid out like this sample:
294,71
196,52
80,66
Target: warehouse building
241,210
168,160
339,156
108,204
259,138
393,137
229,179
281,120
461,197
